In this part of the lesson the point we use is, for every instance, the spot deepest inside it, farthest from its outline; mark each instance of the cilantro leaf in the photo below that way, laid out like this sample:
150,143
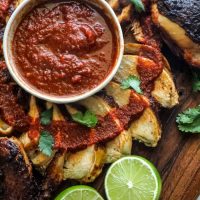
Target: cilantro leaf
139,6
189,120
46,143
132,82
46,117
88,119
196,82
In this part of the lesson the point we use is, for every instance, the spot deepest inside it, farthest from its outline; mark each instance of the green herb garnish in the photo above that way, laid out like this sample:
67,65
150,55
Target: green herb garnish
46,143
189,120
196,82
88,119
138,4
132,82
46,117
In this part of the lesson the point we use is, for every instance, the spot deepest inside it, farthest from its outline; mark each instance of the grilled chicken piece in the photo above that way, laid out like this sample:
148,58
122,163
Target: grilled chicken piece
145,31
12,112
180,24
164,90
39,159
54,176
87,164
6,9
120,145
147,127
149,132
17,181
53,166
30,139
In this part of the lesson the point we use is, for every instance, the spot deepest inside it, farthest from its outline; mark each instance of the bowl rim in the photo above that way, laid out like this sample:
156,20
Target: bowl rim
63,99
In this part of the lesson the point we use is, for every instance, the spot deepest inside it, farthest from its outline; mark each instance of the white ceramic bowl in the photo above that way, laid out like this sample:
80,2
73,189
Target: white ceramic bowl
11,27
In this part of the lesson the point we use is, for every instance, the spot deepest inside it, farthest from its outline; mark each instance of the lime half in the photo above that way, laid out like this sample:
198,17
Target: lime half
79,192
133,178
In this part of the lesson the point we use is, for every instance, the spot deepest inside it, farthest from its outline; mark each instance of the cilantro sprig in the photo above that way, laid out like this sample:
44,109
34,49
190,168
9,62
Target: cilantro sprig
88,118
138,4
132,82
46,117
189,120
196,81
46,143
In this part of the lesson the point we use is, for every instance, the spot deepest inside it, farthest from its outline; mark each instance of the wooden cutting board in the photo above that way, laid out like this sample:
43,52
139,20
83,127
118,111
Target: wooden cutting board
177,156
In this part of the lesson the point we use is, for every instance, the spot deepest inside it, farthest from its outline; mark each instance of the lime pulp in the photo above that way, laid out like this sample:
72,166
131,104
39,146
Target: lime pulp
79,192
133,178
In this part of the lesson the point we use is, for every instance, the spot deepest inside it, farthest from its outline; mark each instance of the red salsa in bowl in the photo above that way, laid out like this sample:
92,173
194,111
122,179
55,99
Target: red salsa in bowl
65,48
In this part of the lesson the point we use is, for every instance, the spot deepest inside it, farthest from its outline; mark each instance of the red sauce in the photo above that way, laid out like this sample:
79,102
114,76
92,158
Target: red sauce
149,71
34,130
72,136
132,111
65,48
150,31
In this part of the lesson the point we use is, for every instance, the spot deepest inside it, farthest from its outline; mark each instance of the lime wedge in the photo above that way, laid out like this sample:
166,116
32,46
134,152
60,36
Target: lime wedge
133,178
79,192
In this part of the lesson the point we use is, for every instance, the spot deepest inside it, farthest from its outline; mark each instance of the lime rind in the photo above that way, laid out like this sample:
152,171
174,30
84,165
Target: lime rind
79,192
124,172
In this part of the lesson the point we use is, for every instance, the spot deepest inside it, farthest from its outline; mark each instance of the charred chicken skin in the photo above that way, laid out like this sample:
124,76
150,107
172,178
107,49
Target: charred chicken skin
16,177
179,23
79,152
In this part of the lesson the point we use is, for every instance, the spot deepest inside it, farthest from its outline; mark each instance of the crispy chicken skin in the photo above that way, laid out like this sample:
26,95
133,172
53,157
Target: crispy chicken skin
83,165
16,180
179,23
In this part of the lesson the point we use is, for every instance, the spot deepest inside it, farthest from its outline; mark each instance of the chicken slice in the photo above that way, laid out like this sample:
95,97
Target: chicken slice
28,142
17,181
30,139
84,165
148,127
96,105
87,164
39,159
120,145
164,91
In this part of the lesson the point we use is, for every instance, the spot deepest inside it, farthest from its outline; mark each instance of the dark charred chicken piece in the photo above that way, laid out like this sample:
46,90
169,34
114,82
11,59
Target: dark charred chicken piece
179,22
16,177
10,110
6,8
54,176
